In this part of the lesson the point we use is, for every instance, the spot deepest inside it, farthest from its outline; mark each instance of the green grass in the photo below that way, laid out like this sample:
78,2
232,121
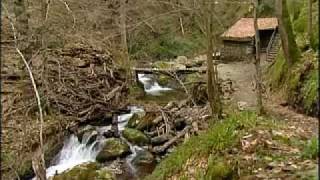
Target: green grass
310,89
221,135
278,71
311,150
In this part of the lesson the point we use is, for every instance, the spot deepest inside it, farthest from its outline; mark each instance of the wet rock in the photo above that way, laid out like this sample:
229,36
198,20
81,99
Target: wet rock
89,137
179,124
135,136
163,79
108,134
133,121
82,130
143,158
86,171
113,149
160,139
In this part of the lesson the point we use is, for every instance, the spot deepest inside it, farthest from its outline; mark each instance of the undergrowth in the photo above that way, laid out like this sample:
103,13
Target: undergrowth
299,83
221,135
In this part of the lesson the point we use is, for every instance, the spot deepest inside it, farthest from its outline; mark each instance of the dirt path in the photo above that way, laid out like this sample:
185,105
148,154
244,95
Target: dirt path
242,74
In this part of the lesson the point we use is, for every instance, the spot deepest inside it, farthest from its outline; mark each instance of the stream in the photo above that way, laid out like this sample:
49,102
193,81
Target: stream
77,151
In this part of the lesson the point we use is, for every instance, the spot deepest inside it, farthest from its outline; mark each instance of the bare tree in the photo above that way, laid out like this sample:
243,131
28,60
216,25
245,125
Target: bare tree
212,73
257,59
38,162
123,32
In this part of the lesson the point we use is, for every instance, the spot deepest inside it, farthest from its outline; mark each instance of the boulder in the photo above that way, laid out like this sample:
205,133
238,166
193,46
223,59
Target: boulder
113,149
143,158
162,65
82,130
182,60
135,136
86,171
89,137
133,121
160,139
164,80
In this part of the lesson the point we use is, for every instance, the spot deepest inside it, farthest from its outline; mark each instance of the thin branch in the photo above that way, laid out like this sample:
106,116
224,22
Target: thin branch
31,78
68,8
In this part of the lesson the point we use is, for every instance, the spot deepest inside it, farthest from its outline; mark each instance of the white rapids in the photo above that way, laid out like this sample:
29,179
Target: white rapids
151,87
74,152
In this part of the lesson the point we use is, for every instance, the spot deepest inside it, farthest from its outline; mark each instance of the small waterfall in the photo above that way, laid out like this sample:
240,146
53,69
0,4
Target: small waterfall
74,152
151,87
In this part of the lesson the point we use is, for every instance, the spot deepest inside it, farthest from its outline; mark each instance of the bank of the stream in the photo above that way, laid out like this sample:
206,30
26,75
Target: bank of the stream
244,145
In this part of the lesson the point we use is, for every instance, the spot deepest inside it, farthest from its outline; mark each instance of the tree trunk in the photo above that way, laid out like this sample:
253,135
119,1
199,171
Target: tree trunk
22,26
123,31
289,45
212,77
257,61
310,21
38,164
44,16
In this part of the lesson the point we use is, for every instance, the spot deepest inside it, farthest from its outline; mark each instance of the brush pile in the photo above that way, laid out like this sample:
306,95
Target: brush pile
81,82
75,84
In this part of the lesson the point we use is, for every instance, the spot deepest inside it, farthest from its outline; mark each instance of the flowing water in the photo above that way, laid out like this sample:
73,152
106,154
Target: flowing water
75,152
150,86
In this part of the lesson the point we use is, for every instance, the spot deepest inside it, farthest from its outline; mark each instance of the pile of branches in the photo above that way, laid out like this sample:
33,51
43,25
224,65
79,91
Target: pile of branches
82,82
173,123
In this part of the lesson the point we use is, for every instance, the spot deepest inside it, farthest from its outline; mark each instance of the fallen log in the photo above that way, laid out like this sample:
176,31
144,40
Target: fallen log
160,149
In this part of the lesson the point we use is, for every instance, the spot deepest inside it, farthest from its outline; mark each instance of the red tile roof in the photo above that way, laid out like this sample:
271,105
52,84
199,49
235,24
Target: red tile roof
244,28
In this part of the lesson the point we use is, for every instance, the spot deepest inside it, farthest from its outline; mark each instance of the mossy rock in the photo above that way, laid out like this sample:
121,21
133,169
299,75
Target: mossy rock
84,172
135,136
139,122
133,121
161,65
113,149
163,79
143,158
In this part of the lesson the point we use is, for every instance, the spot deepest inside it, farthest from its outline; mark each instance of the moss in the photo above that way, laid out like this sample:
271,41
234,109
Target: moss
278,71
163,79
84,172
161,65
310,90
294,52
135,136
113,149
